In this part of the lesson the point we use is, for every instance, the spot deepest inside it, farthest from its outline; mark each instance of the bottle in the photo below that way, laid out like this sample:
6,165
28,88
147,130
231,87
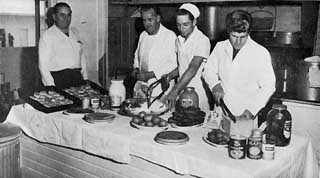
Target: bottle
254,147
117,92
279,124
189,97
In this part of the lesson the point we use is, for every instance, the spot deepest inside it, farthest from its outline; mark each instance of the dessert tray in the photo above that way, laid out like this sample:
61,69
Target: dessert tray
171,138
99,117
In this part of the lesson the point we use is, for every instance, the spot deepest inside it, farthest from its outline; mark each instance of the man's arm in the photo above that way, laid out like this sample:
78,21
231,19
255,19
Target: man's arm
185,79
44,57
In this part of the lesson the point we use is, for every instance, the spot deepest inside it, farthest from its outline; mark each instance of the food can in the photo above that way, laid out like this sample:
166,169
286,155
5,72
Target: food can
95,102
254,146
85,103
237,147
268,150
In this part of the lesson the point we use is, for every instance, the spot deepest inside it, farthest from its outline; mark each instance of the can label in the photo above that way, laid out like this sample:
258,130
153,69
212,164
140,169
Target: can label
254,148
237,147
95,102
85,103
115,101
287,129
268,151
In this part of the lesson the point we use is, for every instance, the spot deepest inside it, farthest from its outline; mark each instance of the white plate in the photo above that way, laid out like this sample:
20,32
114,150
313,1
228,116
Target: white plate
171,143
173,125
204,138
148,129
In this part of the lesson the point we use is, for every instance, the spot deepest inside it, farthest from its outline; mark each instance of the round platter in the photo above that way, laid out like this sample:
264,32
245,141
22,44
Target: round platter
99,117
205,139
171,138
148,129
175,126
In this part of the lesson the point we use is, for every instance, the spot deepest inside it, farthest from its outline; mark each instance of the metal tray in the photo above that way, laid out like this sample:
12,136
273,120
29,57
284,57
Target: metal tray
37,105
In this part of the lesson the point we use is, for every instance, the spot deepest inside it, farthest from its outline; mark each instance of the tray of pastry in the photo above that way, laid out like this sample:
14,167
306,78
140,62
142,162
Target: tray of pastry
50,99
89,89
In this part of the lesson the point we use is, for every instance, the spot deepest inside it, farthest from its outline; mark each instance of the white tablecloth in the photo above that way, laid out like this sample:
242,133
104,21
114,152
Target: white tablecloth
119,141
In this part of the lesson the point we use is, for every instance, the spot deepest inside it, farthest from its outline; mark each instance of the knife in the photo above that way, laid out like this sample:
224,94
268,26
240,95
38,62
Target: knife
226,111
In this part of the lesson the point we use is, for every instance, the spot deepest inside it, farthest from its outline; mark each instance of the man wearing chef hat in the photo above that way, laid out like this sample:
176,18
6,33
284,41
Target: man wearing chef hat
239,70
193,49
155,54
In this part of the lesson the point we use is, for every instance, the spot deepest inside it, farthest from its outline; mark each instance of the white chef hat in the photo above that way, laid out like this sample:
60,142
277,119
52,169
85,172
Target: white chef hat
191,8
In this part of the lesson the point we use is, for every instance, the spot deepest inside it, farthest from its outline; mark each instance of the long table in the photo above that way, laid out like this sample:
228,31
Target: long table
123,146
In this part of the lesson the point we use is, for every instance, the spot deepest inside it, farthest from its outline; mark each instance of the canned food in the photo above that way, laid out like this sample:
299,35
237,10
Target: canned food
95,102
237,147
85,103
268,150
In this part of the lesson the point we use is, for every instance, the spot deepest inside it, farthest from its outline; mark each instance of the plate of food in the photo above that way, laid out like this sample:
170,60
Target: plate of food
216,138
171,137
77,111
132,107
99,117
149,122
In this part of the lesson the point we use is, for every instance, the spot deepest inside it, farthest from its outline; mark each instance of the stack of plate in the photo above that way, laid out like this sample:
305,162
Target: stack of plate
99,117
171,138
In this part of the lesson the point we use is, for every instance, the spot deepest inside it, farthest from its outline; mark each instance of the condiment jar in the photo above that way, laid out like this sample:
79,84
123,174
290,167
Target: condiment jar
117,93
189,97
254,146
279,124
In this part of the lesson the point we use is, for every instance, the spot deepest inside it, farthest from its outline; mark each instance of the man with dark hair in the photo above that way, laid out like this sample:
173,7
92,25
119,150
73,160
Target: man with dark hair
155,54
239,70
193,49
61,59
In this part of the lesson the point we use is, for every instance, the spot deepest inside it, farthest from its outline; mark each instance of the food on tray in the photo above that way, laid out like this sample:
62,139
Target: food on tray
149,120
134,106
50,99
78,110
99,117
84,91
185,117
219,137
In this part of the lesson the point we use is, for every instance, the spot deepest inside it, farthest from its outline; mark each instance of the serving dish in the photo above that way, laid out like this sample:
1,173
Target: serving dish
99,117
133,106
175,126
171,137
148,129
205,139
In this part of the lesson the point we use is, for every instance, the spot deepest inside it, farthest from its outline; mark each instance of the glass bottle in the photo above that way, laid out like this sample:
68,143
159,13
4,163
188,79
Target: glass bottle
279,124
117,93
189,97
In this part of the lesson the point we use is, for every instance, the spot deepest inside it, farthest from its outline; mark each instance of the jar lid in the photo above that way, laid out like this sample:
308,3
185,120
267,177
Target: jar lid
279,106
256,133
116,81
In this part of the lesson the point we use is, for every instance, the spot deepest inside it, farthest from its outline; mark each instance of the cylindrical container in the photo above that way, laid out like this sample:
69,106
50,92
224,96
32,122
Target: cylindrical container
237,147
85,103
254,147
189,97
308,84
268,151
95,103
279,124
2,78
105,102
9,151
117,93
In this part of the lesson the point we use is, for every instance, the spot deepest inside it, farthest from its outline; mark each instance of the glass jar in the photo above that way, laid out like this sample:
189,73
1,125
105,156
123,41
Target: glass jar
189,97
117,93
279,124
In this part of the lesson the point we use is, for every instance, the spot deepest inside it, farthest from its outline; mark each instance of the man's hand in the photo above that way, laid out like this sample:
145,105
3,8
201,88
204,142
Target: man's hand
134,73
142,77
169,100
165,82
246,115
218,93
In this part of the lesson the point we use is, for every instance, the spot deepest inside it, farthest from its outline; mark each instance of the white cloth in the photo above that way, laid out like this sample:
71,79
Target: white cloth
57,51
197,44
161,56
248,81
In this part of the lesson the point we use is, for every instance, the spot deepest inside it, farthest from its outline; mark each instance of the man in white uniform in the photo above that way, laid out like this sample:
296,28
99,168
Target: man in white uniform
193,49
155,54
61,59
239,70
